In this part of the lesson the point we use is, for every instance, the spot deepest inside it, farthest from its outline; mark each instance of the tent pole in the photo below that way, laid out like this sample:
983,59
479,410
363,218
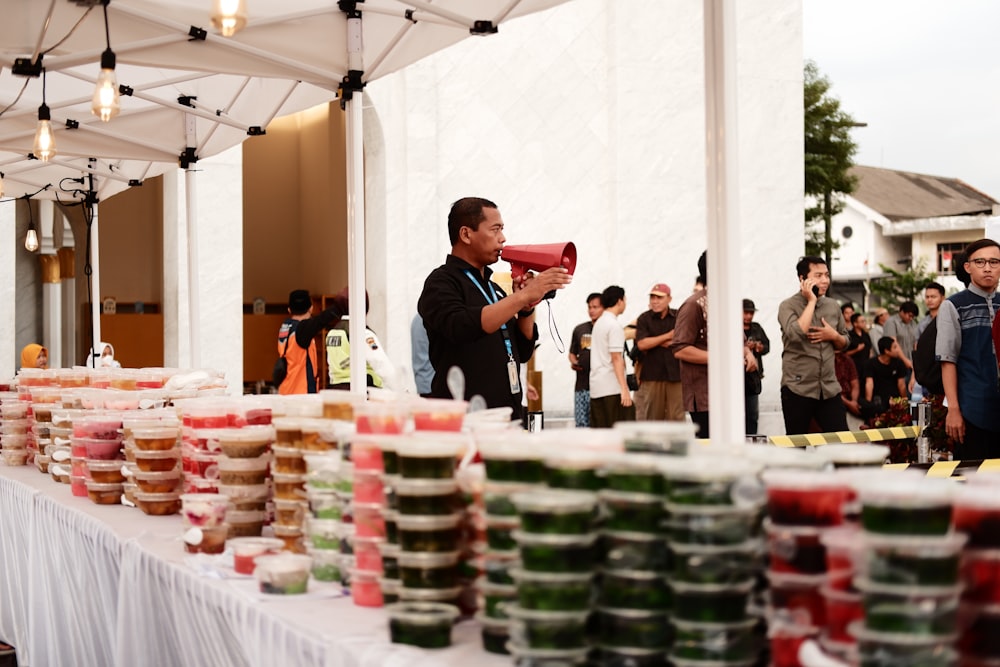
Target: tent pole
725,335
192,238
95,279
356,240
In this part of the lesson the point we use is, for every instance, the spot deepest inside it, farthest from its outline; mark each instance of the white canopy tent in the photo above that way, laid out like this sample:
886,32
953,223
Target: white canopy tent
290,58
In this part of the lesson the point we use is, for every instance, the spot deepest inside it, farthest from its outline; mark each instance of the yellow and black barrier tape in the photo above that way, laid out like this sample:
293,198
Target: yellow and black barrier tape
845,437
957,469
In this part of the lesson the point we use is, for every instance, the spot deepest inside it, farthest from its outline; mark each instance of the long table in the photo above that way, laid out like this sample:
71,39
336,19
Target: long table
85,584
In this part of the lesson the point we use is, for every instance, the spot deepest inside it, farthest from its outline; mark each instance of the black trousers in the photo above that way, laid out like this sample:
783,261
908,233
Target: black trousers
978,444
799,411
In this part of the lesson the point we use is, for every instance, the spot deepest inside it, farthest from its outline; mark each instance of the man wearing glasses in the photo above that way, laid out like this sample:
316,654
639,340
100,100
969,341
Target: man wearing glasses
964,347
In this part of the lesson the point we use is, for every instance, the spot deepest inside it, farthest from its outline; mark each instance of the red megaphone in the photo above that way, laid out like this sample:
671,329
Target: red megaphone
531,257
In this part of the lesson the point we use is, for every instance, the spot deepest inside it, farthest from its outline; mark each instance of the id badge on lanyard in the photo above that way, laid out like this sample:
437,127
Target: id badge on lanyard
513,376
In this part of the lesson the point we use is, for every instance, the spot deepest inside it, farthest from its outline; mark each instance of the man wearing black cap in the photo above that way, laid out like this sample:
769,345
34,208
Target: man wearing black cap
758,343
299,350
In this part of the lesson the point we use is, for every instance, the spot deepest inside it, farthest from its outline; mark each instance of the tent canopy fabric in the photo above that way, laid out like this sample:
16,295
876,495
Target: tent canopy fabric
195,93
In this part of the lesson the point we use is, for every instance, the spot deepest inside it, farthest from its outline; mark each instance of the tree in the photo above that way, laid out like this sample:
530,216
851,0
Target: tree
900,286
829,153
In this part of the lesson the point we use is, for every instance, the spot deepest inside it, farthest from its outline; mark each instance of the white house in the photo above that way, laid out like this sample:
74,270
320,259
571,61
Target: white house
898,219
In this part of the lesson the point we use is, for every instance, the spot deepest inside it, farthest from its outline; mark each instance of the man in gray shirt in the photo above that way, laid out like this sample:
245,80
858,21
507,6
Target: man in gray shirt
904,328
812,330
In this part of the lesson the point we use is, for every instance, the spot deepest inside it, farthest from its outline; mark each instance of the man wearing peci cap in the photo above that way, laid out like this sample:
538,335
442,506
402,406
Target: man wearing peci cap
297,340
660,395
757,342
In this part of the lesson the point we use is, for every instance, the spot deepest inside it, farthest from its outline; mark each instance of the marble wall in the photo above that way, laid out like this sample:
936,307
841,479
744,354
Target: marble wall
586,123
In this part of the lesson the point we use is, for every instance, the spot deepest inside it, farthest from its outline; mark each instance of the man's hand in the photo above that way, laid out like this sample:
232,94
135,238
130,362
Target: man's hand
536,286
825,333
342,301
626,398
805,288
954,424
749,361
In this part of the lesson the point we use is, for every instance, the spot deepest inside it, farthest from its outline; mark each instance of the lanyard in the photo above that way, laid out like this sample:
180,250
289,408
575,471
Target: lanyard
491,298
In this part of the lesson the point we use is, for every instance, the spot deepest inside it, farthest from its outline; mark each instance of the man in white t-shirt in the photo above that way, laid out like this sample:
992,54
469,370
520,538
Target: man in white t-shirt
610,399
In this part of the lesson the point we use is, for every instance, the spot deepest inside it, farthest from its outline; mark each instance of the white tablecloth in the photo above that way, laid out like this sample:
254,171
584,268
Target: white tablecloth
85,584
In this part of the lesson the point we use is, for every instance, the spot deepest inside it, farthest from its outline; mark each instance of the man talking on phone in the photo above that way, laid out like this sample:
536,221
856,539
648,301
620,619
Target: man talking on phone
812,330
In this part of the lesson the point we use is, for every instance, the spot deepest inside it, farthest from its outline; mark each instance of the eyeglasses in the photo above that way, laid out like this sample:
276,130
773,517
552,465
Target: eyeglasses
980,262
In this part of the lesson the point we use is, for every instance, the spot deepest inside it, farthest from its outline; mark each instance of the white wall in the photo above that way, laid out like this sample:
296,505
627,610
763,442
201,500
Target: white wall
586,123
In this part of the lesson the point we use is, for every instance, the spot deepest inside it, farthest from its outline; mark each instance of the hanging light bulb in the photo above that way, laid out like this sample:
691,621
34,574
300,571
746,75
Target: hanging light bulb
229,16
31,238
1,184
105,103
45,139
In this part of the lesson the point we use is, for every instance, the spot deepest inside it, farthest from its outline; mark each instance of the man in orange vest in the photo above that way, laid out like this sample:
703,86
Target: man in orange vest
297,340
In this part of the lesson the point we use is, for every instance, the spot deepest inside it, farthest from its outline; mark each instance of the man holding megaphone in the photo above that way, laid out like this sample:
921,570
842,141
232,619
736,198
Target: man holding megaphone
471,322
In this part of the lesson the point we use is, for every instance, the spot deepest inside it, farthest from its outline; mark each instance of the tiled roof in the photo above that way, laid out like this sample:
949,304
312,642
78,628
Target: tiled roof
903,195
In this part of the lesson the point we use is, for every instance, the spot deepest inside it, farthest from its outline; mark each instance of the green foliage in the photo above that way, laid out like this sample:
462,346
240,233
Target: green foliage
829,155
899,286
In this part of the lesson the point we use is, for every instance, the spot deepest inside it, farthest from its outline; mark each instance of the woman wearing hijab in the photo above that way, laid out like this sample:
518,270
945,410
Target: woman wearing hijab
107,358
34,356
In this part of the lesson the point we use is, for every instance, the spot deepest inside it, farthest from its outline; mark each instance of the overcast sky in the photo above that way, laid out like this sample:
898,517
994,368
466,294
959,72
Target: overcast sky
924,75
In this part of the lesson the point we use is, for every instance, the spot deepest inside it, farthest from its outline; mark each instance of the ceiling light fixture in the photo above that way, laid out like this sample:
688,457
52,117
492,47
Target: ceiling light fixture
105,104
229,16
45,140
31,238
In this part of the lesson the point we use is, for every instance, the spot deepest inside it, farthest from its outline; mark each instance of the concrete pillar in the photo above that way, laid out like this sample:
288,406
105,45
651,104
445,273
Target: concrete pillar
175,338
51,308
9,244
218,207
67,288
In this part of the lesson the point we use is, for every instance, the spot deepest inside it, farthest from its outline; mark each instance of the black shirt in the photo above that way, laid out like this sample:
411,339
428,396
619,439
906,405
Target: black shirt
854,339
885,378
658,363
580,346
451,305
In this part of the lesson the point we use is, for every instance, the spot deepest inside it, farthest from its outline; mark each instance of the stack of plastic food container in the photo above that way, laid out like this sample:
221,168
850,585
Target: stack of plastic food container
631,619
205,524
15,425
977,514
557,545
365,540
244,473
44,401
909,576
429,520
514,463
60,434
95,437
803,506
158,476
326,509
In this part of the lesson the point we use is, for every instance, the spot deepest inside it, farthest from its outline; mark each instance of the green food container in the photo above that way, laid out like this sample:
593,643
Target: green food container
558,630
914,561
492,597
427,496
623,550
710,564
500,532
431,455
632,512
910,610
713,481
429,532
495,634
556,553
710,525
717,641
634,473
634,589
511,456
553,591
428,569
556,511
633,628
711,603
421,624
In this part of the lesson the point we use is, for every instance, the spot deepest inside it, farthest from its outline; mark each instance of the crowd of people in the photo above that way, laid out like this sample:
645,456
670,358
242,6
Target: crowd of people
837,370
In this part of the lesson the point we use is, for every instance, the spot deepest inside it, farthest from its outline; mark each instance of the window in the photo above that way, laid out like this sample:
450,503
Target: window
945,251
